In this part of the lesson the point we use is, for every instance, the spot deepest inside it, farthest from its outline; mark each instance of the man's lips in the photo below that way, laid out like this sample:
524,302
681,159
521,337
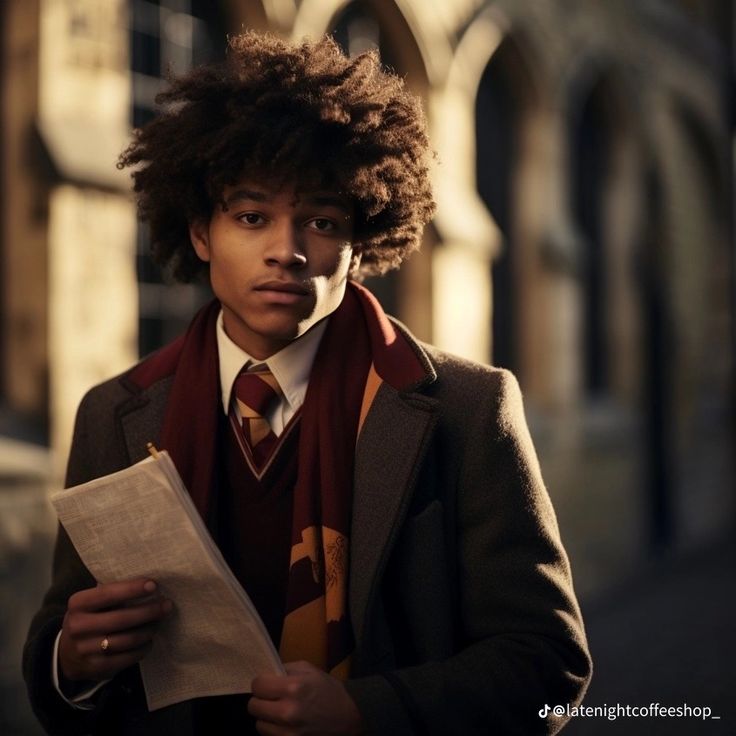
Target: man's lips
282,292
286,287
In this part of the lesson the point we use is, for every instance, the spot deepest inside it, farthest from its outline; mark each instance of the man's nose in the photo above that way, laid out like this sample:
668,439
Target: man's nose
285,246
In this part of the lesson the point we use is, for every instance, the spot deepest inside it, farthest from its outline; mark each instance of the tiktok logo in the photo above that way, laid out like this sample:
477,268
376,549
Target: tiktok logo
544,712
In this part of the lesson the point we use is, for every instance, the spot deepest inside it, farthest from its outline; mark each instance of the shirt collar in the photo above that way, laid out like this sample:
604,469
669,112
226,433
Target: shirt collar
291,366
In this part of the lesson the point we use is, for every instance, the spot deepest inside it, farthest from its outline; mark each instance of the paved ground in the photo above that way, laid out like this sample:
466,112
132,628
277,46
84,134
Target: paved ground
669,637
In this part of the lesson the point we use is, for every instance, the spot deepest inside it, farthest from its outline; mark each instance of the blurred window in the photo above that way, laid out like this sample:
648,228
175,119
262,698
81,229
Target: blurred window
170,35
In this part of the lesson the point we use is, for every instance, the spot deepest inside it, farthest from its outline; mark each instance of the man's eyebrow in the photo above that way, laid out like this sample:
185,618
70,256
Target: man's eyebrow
330,200
321,199
252,194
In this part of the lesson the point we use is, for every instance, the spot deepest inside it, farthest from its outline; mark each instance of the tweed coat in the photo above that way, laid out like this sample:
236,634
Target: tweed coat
460,592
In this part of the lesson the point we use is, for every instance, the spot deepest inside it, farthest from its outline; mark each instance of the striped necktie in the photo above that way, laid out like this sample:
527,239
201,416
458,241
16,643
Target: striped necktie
255,393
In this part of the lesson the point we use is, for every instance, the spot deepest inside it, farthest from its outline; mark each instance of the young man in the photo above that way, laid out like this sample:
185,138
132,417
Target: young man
379,500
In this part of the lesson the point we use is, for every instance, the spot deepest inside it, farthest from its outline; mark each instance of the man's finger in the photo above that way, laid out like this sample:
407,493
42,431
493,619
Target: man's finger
284,713
118,642
81,625
111,595
271,687
265,710
103,665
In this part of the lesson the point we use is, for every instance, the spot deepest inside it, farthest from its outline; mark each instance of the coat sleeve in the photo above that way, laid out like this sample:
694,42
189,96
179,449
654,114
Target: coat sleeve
521,642
69,575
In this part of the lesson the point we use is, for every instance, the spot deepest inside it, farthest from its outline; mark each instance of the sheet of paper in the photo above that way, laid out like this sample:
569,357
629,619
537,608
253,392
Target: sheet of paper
141,522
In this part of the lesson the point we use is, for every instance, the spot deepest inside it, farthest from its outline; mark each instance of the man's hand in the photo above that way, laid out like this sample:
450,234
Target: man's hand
304,702
124,614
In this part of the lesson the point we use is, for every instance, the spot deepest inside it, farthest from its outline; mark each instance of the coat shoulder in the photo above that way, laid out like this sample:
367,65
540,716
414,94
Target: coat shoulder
108,416
121,390
463,369
465,387
106,395
460,378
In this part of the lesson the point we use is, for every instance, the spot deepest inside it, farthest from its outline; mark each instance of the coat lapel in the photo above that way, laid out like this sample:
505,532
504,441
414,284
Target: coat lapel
389,453
141,418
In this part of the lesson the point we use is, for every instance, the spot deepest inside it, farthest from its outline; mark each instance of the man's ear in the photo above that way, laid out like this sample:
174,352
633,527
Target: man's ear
200,237
354,271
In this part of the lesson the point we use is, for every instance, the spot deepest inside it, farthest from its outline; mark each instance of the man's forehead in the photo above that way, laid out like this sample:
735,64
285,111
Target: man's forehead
293,194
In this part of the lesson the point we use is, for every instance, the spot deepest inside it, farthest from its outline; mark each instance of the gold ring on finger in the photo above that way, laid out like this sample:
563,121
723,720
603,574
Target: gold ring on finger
105,644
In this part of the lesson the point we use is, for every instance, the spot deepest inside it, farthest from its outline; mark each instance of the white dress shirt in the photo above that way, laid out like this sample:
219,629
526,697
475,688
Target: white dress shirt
291,367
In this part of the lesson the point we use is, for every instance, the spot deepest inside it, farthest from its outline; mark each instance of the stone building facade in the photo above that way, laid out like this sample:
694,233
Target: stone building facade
583,235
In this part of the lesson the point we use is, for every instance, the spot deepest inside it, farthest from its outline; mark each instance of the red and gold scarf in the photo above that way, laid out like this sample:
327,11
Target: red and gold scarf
359,350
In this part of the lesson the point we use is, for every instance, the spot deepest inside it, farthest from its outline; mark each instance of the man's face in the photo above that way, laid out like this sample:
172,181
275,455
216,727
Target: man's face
279,261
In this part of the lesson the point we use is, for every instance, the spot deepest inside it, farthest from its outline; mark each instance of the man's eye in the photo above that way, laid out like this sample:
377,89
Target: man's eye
251,218
322,223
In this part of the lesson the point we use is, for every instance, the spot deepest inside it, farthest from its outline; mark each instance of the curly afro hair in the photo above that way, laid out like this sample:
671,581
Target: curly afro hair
301,113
